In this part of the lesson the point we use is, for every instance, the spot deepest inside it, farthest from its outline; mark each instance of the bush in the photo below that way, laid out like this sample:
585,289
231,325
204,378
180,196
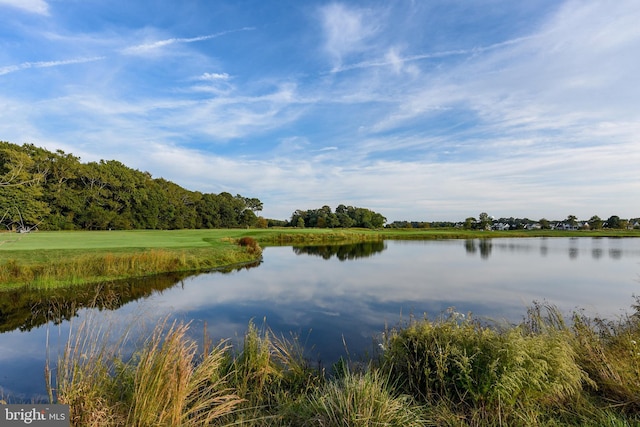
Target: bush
251,244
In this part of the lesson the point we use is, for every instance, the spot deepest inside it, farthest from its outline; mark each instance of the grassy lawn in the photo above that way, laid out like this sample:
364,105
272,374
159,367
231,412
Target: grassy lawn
110,240
10,243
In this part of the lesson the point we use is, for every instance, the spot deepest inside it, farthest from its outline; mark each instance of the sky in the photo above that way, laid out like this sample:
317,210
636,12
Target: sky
424,110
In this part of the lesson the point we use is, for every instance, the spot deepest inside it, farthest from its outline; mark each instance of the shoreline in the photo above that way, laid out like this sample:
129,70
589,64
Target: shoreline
51,259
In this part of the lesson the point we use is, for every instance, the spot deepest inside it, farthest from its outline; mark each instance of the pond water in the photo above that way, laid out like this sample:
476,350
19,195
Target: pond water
332,296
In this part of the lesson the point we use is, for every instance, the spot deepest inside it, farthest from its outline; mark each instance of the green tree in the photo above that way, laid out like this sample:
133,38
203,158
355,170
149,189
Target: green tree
262,222
247,218
21,192
252,203
469,223
614,222
377,220
595,223
57,191
344,220
61,190
485,221
208,212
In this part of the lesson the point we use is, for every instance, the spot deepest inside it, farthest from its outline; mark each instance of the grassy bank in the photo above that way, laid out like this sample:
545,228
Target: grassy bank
49,259
448,371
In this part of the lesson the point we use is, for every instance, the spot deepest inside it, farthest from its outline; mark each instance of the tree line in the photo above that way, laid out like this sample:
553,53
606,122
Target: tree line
55,191
342,217
484,222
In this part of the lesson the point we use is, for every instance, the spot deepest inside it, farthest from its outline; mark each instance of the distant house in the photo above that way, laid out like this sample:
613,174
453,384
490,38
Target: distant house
565,226
500,226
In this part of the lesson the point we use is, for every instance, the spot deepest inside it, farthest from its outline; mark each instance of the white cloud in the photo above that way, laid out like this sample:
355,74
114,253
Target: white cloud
346,30
214,76
39,7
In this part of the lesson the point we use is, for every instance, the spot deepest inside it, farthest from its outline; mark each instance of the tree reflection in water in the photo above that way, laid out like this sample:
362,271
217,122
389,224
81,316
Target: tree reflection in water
24,308
343,252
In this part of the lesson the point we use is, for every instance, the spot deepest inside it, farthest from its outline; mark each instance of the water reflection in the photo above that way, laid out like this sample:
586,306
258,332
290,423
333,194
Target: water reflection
25,309
483,245
575,247
342,252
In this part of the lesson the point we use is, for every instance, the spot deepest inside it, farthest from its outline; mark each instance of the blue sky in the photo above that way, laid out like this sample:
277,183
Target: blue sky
420,110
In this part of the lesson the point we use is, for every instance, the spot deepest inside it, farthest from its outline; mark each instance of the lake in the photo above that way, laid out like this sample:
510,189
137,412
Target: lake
332,296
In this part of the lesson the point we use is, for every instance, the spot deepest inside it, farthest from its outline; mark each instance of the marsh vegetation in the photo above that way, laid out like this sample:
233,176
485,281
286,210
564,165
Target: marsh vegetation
452,370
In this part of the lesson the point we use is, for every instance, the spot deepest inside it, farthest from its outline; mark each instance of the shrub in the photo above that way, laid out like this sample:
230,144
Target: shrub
251,244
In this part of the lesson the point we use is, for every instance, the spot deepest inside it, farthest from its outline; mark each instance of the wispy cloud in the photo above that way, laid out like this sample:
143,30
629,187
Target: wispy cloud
47,64
392,58
145,48
346,30
39,7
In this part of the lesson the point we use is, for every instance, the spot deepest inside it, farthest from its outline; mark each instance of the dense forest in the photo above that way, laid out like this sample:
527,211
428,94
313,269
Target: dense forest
55,191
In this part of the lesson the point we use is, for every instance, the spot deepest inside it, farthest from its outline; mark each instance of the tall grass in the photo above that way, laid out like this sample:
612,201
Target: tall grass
358,399
488,376
609,351
101,266
87,376
453,370
172,387
269,372
166,383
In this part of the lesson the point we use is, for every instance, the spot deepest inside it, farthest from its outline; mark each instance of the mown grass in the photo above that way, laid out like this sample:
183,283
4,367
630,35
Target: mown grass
49,259
448,371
